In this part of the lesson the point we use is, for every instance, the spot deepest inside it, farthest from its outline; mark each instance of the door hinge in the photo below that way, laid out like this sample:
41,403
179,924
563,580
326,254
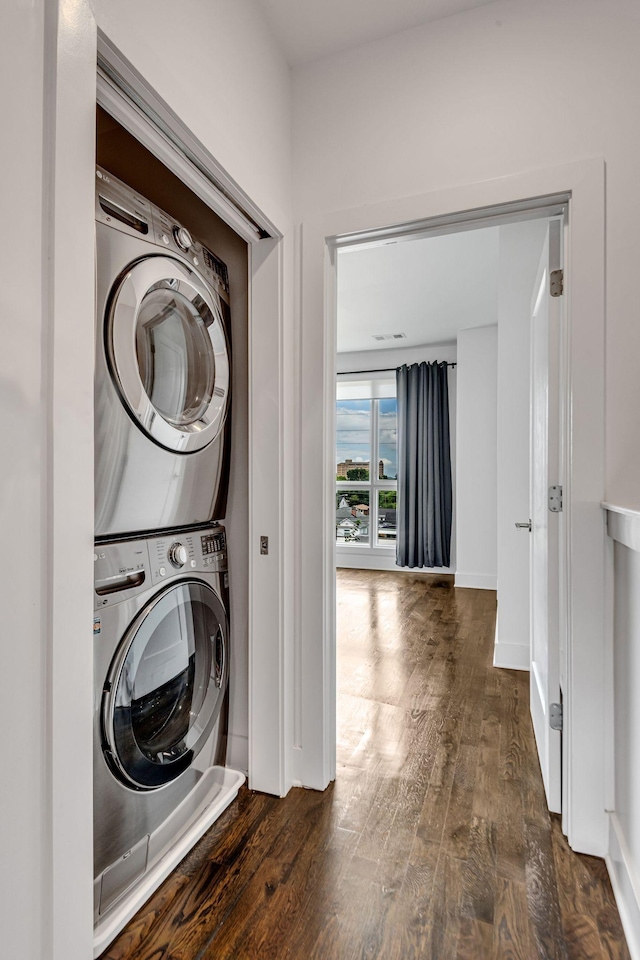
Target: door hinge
555,716
556,283
555,499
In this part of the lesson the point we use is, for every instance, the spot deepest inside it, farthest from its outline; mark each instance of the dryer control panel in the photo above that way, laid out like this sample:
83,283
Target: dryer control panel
122,208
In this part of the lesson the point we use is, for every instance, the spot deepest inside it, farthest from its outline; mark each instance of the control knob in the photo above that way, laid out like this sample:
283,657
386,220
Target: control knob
182,238
178,554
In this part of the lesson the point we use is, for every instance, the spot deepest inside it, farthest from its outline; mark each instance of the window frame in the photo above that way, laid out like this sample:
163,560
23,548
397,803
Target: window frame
374,485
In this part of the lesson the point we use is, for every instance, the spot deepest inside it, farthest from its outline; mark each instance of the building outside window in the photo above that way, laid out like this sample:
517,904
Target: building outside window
366,418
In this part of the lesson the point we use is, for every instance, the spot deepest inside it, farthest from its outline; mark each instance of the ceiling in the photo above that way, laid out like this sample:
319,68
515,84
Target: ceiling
428,289
309,30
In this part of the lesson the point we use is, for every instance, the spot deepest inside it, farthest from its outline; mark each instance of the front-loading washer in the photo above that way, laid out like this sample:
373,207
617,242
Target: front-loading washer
161,670
162,370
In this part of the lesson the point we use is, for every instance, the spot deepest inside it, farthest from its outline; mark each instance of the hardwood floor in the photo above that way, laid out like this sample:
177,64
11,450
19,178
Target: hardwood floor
434,842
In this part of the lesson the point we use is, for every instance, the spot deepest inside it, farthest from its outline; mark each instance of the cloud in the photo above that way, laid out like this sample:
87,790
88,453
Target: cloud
354,421
387,427
354,432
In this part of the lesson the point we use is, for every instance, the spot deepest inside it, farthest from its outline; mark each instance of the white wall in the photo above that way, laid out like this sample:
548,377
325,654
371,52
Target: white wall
22,480
468,98
379,558
217,66
476,500
520,246
46,481
624,857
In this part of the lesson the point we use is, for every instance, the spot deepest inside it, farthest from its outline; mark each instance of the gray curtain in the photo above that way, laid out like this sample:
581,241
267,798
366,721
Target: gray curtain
424,466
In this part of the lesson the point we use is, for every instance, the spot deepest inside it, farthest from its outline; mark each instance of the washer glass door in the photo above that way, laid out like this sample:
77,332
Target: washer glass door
166,685
167,348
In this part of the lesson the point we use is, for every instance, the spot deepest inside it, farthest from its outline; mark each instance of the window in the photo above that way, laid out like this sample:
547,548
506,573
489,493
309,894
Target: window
366,464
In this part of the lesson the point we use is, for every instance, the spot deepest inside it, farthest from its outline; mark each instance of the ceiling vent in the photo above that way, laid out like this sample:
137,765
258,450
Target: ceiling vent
389,336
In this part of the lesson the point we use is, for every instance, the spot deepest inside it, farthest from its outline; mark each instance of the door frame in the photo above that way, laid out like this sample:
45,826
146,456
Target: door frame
584,183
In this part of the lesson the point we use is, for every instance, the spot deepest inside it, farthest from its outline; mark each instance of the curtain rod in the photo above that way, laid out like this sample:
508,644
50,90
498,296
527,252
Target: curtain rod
343,373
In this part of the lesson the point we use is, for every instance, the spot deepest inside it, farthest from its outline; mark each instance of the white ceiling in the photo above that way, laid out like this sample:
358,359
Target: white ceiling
309,29
428,289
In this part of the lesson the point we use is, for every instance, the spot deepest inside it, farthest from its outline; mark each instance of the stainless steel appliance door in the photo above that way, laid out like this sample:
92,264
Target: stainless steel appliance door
167,350
166,685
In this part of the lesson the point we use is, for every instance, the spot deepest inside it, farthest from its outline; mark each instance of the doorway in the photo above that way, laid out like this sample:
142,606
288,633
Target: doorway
461,299
583,182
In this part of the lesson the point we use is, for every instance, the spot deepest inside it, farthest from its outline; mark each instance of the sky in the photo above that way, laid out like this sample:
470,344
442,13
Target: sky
354,431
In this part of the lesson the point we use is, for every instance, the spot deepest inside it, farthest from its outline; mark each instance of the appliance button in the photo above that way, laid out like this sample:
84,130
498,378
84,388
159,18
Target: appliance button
182,237
178,554
193,563
162,571
165,239
196,261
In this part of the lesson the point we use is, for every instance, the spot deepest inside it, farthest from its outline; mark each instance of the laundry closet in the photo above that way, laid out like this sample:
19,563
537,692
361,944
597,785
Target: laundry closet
171,554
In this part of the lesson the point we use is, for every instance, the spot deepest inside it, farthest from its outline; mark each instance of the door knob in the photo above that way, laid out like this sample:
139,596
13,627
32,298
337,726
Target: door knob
524,526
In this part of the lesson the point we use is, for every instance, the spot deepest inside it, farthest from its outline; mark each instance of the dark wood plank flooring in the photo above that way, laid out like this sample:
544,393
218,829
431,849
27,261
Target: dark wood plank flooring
434,842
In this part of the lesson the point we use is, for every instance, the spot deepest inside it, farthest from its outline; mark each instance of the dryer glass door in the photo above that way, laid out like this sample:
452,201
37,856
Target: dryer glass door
167,348
166,685
175,357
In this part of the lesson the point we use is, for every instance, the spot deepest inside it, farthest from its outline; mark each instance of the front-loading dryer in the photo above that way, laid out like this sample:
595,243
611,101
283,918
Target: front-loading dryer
162,373
161,669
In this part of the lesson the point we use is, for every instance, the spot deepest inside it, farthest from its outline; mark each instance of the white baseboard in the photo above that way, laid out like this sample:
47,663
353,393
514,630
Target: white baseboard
511,656
626,887
238,753
477,581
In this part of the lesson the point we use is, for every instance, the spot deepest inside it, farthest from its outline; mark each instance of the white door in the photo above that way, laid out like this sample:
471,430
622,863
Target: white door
545,567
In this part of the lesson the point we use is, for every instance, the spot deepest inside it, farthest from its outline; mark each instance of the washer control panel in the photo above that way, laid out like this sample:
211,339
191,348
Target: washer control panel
214,544
178,554
121,570
188,552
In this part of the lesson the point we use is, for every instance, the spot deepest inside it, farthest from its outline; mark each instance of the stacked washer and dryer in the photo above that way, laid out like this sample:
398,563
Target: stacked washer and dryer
161,625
